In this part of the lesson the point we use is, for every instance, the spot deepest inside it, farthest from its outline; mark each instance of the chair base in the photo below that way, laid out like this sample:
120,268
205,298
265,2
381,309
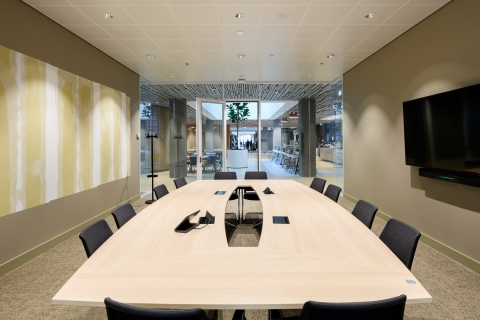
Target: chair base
150,201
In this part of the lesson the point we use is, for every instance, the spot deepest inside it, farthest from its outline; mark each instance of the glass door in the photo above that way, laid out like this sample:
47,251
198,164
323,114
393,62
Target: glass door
211,138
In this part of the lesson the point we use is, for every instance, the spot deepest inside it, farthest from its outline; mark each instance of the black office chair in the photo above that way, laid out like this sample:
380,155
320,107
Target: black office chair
333,192
160,191
402,239
391,309
122,311
94,236
249,194
365,212
318,184
180,182
233,196
122,214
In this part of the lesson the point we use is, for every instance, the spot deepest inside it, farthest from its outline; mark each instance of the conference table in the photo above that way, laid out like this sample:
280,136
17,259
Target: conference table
323,254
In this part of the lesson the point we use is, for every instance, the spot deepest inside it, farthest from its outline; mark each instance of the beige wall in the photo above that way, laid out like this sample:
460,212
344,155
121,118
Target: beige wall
25,30
441,53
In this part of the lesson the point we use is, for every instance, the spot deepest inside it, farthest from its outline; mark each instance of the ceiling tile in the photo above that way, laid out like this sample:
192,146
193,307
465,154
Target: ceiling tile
274,45
173,44
154,78
210,64
383,12
264,56
240,44
125,31
142,54
248,55
315,31
181,55
358,54
166,70
389,31
322,56
201,31
163,32
412,14
161,64
191,2
141,2
151,14
327,14
136,65
107,44
189,69
228,31
195,14
95,13
89,32
270,15
226,15
318,68
124,55
308,44
353,31
340,44
210,55
197,77
300,54
64,15
278,31
203,44
46,2
286,2
336,2
372,44
235,3
139,44
93,2
295,64
383,1
443,2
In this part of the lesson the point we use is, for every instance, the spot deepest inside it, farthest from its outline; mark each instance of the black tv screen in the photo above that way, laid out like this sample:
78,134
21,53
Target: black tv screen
443,131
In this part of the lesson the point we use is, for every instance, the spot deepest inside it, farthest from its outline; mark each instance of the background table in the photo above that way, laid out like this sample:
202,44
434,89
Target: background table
324,254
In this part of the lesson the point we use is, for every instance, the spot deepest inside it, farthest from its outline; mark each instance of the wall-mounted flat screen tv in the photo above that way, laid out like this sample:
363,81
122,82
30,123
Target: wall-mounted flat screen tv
443,131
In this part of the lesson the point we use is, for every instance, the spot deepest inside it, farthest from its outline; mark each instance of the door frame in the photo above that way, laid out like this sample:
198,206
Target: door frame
199,134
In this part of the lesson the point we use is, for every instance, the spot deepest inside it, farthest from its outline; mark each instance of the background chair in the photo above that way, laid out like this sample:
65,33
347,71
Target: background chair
365,212
233,196
180,182
318,184
391,309
249,194
94,236
160,191
402,239
122,214
333,192
121,311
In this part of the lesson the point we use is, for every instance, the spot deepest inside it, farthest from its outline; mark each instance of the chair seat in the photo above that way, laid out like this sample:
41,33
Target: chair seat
251,196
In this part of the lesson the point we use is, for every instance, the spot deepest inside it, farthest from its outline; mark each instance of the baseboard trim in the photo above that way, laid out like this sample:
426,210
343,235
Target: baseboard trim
437,245
44,247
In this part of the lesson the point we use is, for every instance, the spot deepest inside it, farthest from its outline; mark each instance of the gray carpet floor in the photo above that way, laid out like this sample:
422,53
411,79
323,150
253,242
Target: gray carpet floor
25,292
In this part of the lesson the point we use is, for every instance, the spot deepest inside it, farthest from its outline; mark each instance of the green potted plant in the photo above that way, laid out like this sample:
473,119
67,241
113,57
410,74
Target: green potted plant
238,112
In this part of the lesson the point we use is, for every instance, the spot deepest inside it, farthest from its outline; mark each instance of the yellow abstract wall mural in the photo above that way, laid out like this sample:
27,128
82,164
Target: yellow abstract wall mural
59,133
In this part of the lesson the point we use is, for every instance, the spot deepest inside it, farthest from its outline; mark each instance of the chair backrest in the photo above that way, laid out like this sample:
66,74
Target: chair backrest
318,184
225,176
193,160
121,311
160,191
333,192
256,175
402,239
365,212
391,309
122,214
180,182
94,236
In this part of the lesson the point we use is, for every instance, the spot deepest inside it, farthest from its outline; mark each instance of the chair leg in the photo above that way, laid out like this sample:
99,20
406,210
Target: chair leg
239,315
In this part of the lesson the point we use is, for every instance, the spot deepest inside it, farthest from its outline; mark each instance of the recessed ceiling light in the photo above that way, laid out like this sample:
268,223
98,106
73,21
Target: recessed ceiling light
107,15
370,15
240,32
240,56
172,76
150,56
283,15
270,55
240,15
331,55
309,76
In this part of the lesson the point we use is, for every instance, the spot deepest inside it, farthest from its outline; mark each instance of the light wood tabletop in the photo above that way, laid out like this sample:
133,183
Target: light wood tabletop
324,254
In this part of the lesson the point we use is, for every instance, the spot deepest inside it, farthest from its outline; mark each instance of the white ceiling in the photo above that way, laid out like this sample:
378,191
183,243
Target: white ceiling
202,34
